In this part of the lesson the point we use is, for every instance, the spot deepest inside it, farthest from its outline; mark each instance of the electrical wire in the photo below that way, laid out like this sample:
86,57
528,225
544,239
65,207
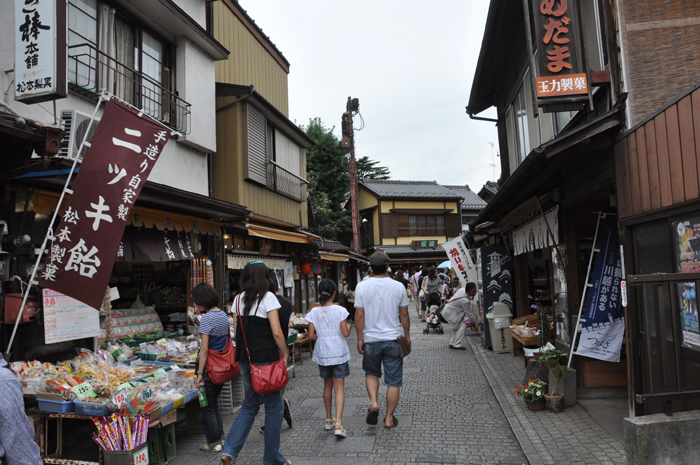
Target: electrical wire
361,119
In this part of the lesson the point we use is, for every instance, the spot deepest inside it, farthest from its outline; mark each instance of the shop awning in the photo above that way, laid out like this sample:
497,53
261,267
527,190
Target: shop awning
273,233
141,217
237,262
334,257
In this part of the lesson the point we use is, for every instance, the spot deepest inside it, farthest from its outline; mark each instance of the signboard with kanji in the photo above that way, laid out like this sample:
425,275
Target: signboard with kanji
560,66
122,154
40,50
461,260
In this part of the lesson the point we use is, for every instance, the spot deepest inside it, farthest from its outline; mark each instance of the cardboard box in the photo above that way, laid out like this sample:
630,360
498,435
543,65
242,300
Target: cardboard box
168,418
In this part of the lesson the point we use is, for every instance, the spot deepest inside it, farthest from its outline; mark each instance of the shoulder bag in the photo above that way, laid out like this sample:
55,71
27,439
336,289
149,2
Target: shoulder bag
222,366
266,378
404,346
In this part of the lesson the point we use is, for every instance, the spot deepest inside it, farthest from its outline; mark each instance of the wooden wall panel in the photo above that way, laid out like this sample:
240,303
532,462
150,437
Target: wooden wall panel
623,178
653,165
687,135
620,186
696,125
664,161
674,153
645,197
634,175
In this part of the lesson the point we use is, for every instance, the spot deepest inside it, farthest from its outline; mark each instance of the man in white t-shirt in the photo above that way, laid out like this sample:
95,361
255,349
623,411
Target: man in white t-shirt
381,313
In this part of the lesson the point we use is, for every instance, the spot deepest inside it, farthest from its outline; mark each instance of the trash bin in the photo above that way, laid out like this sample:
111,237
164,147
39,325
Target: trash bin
499,322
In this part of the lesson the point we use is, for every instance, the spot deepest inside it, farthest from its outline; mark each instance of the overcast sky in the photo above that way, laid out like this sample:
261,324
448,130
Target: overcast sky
411,64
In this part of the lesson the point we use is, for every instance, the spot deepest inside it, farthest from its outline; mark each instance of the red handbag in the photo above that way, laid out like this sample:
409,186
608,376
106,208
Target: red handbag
266,378
222,366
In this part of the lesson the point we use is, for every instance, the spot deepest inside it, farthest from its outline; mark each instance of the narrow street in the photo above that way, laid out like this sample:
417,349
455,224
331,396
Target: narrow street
447,414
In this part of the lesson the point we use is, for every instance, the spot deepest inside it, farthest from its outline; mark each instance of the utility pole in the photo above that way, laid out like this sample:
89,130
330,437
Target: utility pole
353,106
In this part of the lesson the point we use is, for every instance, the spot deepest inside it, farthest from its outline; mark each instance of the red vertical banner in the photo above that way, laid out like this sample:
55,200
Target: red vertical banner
122,154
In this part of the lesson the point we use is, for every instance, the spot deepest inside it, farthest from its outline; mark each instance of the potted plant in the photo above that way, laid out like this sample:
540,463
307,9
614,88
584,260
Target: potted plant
533,393
555,399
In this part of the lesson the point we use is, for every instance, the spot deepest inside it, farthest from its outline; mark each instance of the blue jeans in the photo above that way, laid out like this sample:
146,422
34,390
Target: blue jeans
211,414
274,412
386,353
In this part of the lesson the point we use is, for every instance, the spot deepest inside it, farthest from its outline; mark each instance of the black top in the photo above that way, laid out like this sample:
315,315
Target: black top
402,280
261,342
285,311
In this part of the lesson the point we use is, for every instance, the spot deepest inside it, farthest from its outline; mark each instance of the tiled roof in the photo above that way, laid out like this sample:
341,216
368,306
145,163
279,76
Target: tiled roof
328,244
408,250
408,189
490,186
470,201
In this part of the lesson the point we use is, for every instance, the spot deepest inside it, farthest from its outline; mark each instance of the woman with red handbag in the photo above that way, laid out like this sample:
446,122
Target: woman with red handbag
214,330
260,343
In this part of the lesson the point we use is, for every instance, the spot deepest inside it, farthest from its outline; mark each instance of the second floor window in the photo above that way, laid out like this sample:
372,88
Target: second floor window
520,136
421,225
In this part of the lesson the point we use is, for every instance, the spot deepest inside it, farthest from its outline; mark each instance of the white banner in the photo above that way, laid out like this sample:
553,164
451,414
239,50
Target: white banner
237,262
535,235
461,260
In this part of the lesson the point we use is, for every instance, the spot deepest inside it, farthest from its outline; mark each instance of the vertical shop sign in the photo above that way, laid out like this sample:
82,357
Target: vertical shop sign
560,58
40,50
688,261
604,328
461,260
123,151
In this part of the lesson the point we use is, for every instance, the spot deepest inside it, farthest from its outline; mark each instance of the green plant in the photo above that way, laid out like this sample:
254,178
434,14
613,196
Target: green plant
545,327
534,391
552,359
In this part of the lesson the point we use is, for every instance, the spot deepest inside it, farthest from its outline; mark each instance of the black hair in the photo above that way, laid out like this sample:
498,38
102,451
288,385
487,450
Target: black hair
274,287
326,288
470,286
432,272
204,295
416,269
378,269
255,284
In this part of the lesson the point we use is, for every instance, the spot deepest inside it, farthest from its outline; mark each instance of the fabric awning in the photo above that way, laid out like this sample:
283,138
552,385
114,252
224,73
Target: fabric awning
273,233
237,262
141,217
334,257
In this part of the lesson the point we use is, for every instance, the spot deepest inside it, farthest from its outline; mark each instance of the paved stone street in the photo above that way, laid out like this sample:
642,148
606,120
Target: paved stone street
451,411
447,414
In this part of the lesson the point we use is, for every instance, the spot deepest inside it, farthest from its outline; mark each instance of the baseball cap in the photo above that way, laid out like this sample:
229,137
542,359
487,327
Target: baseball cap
379,259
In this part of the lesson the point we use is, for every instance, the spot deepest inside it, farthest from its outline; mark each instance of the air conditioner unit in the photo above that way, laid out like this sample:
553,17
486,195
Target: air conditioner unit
75,123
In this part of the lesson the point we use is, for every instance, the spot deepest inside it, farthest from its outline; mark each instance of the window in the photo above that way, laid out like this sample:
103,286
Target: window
521,136
421,225
111,49
274,160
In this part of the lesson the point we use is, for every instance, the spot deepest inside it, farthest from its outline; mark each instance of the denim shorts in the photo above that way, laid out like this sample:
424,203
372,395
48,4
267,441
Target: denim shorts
386,352
335,371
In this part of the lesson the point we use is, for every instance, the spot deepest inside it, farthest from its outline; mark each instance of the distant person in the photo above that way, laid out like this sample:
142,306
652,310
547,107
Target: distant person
430,284
328,326
17,446
381,314
400,278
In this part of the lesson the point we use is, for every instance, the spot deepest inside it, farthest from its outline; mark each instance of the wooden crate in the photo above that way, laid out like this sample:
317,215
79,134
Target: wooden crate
531,320
525,341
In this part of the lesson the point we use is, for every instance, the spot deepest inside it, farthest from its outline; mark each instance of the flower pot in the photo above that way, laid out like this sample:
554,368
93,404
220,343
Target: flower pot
534,406
555,404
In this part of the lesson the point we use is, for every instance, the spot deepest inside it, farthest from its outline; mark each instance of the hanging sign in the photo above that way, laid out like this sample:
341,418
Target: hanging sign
560,57
461,260
40,50
66,319
122,153
535,234
604,328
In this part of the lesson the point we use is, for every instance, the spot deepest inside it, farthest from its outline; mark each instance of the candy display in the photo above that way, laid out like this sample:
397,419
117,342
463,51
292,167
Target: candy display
132,321
115,433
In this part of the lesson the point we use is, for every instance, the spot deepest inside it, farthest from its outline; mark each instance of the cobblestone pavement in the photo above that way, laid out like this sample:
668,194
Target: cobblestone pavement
570,437
447,414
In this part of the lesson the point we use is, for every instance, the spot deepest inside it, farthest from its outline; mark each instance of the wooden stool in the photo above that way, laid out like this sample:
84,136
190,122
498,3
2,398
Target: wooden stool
298,345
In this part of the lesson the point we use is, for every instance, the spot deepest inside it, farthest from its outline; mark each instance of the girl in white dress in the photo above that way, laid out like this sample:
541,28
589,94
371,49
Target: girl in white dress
329,328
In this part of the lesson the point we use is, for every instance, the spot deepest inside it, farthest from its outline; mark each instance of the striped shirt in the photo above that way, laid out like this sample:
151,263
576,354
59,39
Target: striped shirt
216,325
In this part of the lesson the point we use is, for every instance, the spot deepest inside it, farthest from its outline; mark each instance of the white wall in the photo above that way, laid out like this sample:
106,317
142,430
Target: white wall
196,9
196,83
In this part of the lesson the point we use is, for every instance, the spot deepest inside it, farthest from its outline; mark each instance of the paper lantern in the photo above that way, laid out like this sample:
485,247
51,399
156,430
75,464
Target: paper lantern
323,268
317,268
306,268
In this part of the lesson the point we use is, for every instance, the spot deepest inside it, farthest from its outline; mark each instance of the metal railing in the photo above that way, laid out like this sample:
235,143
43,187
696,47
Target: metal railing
91,70
283,181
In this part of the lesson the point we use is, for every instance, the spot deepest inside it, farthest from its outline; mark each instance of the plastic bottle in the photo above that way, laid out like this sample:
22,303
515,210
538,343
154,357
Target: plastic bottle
116,353
202,394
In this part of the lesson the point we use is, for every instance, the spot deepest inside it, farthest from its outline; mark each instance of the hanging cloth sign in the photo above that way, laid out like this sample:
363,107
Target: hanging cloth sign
122,154
604,328
535,235
461,260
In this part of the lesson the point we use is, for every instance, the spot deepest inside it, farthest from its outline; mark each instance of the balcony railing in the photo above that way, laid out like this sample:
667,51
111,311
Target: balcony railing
283,181
90,71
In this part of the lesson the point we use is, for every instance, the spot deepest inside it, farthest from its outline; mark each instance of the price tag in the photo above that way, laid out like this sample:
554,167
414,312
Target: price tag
84,390
161,341
160,373
119,399
126,385
141,457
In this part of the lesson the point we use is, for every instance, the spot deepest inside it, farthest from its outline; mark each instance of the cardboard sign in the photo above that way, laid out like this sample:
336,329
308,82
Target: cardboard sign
119,399
84,390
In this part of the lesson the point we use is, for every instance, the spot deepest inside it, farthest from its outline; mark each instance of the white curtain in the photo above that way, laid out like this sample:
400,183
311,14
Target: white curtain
535,235
107,47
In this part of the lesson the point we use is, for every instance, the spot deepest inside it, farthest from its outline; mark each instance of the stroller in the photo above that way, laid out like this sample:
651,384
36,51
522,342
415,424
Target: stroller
432,320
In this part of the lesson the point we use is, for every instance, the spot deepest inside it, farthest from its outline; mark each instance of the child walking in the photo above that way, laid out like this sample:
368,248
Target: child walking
329,328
